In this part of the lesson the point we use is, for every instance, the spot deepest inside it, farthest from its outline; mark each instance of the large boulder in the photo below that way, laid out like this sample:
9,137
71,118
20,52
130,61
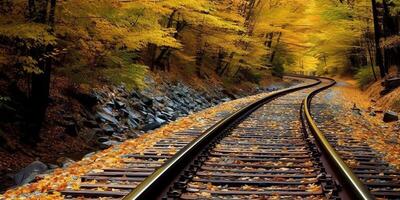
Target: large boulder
107,144
151,126
28,174
390,116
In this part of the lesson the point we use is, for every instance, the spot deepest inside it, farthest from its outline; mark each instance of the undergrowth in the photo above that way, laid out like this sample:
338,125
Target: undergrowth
364,77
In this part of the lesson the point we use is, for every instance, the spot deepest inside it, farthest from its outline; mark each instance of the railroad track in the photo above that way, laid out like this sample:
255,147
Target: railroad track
369,165
265,155
261,151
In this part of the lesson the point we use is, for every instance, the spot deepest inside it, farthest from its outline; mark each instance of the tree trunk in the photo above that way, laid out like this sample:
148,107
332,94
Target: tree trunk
31,9
220,59
274,51
371,58
40,90
268,42
40,15
378,56
156,60
52,14
227,64
40,83
165,51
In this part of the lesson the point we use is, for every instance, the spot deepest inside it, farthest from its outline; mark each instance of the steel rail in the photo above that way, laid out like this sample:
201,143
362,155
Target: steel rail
154,186
357,188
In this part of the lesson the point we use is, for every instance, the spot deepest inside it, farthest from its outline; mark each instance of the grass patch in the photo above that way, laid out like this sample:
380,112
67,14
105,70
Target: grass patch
364,77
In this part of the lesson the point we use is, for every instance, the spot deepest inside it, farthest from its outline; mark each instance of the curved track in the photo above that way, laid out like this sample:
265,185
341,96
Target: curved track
262,151
266,155
382,179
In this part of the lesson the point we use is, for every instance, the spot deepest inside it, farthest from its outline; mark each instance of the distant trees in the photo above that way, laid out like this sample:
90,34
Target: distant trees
357,33
119,41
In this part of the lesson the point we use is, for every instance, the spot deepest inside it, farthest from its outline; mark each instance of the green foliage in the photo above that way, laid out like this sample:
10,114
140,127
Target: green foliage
339,12
364,76
28,64
121,69
4,99
250,75
278,70
114,39
132,76
28,35
283,58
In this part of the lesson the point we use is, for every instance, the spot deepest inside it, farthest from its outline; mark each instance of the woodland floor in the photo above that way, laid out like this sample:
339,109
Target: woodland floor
381,136
48,187
56,144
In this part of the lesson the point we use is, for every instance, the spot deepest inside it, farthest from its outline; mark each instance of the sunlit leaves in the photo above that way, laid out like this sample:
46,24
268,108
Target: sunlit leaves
29,64
331,31
29,35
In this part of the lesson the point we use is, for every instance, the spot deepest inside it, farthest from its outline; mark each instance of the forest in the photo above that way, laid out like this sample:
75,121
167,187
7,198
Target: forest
51,50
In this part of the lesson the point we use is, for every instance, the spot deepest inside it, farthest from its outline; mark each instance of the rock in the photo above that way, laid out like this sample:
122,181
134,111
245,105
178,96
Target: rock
160,121
356,110
108,129
119,138
150,118
159,99
108,144
372,113
192,106
28,174
110,104
136,106
132,123
355,107
119,104
164,116
106,117
135,94
170,104
390,116
133,116
103,139
151,126
108,110
147,100
131,134
89,154
169,109
53,166
184,110
65,162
